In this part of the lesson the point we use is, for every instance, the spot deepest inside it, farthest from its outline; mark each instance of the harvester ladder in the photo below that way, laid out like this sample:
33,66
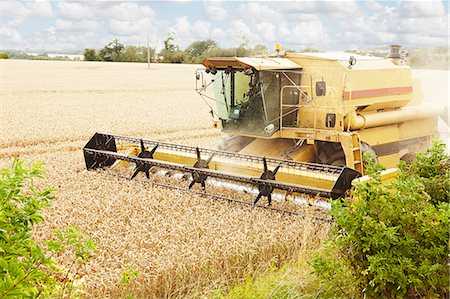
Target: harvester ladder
357,154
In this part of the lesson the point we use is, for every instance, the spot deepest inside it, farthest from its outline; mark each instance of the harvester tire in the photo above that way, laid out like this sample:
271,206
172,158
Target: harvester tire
331,153
233,143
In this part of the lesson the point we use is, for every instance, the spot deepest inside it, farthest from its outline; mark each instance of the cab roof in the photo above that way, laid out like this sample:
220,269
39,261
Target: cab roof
260,64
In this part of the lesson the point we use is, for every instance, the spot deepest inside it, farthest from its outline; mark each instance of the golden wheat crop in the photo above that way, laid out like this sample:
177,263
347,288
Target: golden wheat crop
183,244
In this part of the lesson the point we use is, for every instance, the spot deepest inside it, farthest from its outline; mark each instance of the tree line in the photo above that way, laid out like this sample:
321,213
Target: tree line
171,53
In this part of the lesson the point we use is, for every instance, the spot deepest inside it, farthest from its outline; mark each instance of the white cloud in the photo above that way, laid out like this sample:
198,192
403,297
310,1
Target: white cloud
128,11
418,40
268,31
309,33
12,8
12,35
74,11
427,26
128,28
295,24
374,5
214,10
40,8
397,24
80,25
98,10
422,9
255,11
186,32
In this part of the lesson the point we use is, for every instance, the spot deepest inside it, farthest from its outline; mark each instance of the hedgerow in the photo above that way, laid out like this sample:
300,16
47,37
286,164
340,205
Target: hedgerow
391,241
29,269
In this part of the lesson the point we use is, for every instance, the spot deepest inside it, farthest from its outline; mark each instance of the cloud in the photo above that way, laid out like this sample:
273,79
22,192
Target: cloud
12,8
256,11
12,35
214,10
74,11
186,32
309,33
295,24
129,11
128,28
387,24
101,10
80,25
422,9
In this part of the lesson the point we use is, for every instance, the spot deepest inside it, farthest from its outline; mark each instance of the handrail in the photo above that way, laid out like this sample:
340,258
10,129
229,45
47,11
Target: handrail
332,93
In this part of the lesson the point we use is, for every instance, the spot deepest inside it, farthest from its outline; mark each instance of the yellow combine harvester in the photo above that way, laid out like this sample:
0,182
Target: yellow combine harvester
299,123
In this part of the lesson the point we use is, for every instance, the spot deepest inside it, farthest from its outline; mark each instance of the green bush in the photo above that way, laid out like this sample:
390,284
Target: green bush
4,55
391,241
28,269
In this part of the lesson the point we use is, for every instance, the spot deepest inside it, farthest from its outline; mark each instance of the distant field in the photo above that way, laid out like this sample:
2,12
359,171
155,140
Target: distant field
181,244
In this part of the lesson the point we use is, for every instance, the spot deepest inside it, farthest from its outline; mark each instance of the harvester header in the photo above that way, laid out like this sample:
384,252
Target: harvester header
265,175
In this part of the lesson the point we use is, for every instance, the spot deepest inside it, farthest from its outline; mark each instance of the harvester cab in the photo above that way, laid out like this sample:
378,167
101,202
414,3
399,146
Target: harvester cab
248,93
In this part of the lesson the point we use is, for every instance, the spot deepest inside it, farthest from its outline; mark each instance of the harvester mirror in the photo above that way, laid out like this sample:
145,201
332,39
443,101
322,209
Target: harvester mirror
351,62
321,88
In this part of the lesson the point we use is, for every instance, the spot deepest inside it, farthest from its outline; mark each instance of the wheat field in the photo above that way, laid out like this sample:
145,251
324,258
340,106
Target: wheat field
182,244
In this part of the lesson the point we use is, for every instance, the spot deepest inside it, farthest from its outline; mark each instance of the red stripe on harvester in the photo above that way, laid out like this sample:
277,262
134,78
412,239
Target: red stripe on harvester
377,92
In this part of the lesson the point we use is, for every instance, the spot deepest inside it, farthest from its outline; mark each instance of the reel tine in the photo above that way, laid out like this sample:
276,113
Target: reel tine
265,164
209,159
258,197
191,184
142,146
153,150
198,154
276,169
136,171
147,173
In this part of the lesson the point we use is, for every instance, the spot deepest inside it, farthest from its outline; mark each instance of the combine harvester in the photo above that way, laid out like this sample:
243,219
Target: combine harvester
299,124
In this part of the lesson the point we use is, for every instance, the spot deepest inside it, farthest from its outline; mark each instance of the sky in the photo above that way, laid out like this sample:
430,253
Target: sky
325,25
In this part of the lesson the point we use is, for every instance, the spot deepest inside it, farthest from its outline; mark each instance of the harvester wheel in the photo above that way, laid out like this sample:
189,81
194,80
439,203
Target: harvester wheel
331,153
234,143
408,158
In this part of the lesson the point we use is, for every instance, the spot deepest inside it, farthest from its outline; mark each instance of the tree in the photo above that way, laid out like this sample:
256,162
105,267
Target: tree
112,51
131,54
4,55
259,49
310,50
171,52
391,240
196,51
169,46
89,55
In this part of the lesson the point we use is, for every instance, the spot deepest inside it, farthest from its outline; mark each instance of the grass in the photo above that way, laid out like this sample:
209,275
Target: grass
292,280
